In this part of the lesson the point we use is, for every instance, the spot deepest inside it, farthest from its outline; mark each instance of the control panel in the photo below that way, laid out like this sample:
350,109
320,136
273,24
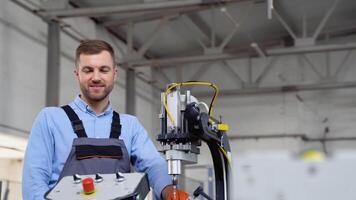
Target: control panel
101,186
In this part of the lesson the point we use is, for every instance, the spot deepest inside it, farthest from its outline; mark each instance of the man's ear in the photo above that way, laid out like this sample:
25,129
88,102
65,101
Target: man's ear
76,71
116,72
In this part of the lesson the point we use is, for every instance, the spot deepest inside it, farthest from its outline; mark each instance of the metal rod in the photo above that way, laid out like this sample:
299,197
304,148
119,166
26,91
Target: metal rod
285,25
327,64
258,49
130,32
213,27
233,73
311,65
342,64
249,70
229,17
194,34
267,68
305,25
202,26
325,19
153,36
228,38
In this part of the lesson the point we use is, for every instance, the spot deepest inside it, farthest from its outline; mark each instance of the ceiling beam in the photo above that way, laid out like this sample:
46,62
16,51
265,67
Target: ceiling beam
280,89
311,49
152,15
108,10
161,62
230,56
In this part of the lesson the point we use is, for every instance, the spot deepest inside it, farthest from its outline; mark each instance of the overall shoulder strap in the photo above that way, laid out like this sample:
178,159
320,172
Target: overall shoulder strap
115,126
77,124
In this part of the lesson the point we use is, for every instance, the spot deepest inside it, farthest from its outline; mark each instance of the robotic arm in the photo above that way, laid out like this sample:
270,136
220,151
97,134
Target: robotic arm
184,126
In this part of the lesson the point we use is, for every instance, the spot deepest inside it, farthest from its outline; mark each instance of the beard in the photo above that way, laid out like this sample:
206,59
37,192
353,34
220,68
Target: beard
95,96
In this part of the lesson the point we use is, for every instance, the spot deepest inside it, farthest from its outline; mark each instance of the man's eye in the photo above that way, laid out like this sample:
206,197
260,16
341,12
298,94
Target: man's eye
86,70
105,69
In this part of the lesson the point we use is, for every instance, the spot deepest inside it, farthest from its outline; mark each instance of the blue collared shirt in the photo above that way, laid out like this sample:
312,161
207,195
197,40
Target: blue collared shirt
51,139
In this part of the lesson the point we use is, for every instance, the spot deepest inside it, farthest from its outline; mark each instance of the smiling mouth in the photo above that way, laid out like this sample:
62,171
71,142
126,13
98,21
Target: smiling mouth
96,87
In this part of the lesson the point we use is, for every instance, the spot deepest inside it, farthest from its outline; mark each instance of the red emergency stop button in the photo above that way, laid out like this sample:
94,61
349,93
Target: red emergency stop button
88,185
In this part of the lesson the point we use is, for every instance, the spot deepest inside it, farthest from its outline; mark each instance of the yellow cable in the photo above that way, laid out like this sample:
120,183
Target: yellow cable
216,91
174,85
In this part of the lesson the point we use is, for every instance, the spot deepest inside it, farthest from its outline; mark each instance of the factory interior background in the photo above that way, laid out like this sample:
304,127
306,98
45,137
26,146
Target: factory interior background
286,72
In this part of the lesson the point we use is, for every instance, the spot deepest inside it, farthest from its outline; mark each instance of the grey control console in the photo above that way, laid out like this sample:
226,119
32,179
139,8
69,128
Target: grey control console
107,186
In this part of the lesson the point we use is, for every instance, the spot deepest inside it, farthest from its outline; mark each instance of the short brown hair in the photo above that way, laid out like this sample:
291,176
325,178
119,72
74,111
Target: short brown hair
91,47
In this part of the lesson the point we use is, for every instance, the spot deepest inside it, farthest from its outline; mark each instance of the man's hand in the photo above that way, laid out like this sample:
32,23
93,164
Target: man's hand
168,194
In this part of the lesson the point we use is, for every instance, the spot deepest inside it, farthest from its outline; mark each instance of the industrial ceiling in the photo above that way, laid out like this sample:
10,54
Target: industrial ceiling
173,33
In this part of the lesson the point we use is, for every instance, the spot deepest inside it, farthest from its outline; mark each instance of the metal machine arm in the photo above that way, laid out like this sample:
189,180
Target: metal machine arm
184,126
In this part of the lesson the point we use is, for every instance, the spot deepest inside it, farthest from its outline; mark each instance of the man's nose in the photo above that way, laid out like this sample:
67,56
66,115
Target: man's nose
96,75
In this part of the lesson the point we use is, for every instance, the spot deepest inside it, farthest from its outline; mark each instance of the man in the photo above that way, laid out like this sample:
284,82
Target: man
61,137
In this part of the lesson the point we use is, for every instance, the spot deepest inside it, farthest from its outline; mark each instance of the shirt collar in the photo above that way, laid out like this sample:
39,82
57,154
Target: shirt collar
82,105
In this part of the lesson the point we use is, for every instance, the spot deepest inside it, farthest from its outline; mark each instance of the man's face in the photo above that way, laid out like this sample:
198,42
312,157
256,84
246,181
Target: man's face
96,75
